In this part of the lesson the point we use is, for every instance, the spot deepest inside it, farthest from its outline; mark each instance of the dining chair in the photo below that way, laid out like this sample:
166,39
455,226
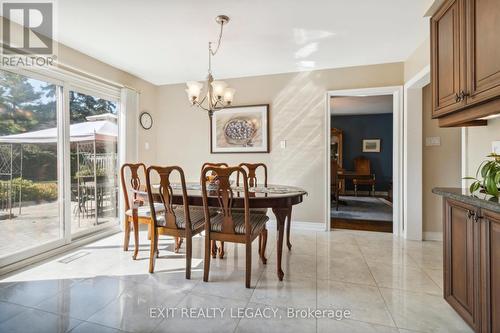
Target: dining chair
136,212
214,249
253,181
179,221
228,225
362,167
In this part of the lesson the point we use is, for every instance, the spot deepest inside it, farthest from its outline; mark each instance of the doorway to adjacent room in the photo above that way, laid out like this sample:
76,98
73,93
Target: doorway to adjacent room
361,158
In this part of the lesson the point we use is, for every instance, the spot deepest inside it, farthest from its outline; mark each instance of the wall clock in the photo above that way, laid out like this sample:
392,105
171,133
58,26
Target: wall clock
146,120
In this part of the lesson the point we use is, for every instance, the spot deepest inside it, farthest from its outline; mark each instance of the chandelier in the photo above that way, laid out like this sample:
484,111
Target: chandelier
217,94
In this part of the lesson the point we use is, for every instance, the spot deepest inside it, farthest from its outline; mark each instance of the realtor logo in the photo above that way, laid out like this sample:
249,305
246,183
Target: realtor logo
27,28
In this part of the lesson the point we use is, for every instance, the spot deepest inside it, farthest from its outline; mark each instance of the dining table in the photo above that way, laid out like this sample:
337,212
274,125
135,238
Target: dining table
279,198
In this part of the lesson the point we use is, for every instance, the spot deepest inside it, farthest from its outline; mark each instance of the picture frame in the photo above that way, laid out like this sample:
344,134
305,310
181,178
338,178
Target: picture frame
240,129
371,146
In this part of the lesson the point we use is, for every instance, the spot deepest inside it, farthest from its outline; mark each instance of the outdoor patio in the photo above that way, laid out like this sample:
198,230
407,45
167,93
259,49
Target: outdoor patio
39,224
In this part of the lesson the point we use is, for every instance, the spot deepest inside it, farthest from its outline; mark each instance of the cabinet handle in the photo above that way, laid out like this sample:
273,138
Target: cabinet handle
463,94
477,218
470,214
457,98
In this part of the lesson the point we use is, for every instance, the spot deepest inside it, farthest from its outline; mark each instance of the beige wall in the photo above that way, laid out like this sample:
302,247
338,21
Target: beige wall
478,142
417,60
441,164
297,115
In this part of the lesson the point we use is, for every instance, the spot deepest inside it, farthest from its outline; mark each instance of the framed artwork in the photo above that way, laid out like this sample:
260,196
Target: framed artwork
371,146
240,129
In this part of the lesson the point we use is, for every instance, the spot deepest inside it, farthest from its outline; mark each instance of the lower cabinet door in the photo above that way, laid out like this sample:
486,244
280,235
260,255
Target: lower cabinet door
490,272
461,255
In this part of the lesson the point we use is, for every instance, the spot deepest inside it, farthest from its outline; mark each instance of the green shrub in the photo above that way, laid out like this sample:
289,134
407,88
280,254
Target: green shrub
30,191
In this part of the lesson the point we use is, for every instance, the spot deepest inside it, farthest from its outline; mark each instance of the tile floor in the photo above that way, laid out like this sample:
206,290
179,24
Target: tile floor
385,284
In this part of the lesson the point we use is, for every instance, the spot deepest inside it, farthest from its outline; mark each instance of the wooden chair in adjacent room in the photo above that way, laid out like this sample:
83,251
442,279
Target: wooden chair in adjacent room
136,210
362,167
334,183
228,225
179,221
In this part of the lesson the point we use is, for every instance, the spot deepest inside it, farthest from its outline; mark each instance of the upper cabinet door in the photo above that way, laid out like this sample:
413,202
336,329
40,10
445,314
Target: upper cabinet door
483,46
447,60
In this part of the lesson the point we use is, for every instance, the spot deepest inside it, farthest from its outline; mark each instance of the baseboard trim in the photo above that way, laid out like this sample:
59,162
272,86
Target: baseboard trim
301,225
433,236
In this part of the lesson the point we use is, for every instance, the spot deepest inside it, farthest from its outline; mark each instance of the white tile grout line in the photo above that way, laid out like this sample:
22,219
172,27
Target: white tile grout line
378,289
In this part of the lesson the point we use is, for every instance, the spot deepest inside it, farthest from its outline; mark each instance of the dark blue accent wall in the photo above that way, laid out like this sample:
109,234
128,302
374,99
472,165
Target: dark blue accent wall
372,126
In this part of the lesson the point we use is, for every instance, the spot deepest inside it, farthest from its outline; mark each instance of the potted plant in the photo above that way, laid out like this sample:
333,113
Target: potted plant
489,171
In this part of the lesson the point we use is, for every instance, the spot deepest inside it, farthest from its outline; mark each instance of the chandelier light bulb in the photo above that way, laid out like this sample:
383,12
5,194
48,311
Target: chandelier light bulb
218,88
229,95
193,90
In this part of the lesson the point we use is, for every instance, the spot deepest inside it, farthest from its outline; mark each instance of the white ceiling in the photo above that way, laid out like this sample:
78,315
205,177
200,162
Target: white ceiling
166,41
361,105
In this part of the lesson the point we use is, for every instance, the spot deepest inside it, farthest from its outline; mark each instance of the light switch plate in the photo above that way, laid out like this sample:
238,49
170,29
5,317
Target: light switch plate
433,141
146,146
283,144
495,147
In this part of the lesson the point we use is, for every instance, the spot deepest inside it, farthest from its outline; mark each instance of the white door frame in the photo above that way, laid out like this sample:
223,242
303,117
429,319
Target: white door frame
397,93
413,154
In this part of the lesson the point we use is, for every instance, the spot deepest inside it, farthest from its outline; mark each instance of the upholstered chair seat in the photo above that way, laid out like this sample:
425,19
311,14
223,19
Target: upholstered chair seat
257,223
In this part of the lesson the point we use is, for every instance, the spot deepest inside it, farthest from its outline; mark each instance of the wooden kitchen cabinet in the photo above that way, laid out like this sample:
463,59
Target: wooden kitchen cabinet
448,70
461,267
471,241
465,62
490,271
483,57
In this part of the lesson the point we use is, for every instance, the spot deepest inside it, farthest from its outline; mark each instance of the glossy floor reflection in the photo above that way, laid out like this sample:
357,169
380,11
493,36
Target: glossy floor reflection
387,284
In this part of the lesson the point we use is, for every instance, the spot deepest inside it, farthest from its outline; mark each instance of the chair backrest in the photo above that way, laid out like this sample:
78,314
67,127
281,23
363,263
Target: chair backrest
206,164
166,195
362,165
225,197
251,173
136,170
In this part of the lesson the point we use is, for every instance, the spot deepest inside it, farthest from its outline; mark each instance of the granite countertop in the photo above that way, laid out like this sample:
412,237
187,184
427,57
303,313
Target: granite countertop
478,199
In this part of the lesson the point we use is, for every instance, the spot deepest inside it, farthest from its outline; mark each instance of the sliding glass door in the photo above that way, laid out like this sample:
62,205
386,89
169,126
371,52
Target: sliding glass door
94,166
58,161
30,181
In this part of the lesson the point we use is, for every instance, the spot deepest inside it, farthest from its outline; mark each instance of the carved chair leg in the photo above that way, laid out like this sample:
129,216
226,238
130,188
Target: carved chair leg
373,190
152,250
178,244
189,250
288,226
157,251
221,250
355,190
262,245
126,240
248,270
213,249
206,263
136,238
149,231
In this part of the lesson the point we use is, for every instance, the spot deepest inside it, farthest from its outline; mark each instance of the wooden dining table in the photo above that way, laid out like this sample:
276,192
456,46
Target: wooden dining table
279,198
